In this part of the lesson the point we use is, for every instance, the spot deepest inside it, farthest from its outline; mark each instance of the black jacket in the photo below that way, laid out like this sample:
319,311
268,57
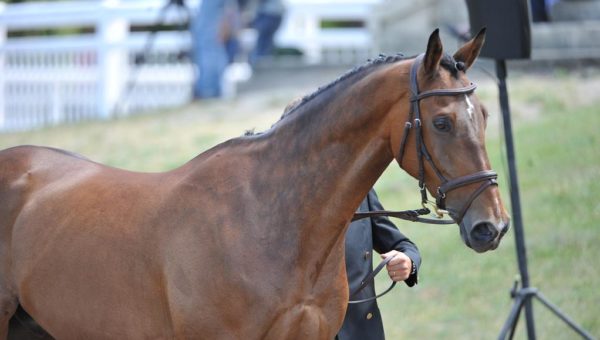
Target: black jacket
363,321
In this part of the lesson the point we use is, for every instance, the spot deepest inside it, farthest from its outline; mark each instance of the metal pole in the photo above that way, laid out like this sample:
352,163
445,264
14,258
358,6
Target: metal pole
514,195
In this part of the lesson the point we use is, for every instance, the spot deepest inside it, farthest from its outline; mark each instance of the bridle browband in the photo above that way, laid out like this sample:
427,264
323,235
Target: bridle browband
487,177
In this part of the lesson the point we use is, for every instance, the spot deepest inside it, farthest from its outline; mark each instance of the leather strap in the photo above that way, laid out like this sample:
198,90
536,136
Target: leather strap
488,177
466,180
444,92
474,195
407,215
369,279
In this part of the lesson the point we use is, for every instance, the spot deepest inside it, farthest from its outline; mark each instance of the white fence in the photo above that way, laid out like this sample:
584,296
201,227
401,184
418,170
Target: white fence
49,80
303,29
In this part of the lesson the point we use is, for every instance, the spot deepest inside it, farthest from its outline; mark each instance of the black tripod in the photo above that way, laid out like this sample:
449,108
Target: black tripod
525,293
183,24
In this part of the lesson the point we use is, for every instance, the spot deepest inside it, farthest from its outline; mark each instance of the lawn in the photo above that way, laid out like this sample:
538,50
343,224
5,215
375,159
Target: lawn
466,296
461,294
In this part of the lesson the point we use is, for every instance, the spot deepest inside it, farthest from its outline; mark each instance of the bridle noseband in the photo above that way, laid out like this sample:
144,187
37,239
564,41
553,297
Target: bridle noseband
488,177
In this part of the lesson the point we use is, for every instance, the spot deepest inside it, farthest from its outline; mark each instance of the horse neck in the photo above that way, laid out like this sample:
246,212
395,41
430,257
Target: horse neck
333,150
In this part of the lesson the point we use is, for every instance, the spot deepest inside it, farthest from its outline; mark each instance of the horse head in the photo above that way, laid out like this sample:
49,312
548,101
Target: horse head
446,148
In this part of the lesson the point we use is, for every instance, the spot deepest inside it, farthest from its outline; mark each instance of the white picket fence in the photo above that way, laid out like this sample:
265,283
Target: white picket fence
50,80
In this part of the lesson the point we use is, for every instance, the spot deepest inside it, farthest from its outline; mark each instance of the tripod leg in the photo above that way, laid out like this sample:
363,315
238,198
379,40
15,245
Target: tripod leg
124,96
514,324
584,334
513,318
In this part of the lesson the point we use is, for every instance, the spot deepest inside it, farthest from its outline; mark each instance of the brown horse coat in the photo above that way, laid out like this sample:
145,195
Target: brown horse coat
245,241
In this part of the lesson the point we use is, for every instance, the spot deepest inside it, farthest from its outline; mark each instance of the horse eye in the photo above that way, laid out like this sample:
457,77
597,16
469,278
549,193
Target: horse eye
442,124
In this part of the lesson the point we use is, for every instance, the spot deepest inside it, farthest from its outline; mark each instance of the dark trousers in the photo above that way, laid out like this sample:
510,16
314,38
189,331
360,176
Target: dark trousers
266,25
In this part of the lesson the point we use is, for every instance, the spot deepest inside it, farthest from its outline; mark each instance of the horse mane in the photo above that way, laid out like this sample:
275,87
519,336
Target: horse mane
371,63
446,62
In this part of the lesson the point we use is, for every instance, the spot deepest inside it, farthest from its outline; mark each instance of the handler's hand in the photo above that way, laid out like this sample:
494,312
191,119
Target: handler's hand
400,267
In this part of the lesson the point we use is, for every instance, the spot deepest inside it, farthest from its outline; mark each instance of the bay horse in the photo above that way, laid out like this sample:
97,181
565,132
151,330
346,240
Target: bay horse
245,241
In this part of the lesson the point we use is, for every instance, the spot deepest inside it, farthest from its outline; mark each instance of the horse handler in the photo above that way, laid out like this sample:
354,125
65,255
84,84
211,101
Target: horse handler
363,320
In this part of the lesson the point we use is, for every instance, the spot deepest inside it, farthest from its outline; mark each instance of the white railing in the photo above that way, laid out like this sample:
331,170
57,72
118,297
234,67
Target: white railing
302,29
49,80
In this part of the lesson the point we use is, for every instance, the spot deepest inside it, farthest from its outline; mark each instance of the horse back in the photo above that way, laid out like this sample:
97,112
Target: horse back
27,169
66,224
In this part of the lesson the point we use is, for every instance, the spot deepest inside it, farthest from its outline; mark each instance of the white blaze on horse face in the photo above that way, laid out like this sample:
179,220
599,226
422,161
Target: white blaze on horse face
470,107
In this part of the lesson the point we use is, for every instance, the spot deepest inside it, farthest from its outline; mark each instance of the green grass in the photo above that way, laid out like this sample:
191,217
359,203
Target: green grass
461,294
466,296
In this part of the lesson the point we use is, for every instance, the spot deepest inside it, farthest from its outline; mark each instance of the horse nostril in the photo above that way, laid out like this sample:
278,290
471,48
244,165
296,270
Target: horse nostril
484,232
505,228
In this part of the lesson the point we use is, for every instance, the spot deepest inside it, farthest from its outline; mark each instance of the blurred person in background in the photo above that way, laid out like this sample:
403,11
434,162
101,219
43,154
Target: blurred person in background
214,29
232,25
268,17
538,10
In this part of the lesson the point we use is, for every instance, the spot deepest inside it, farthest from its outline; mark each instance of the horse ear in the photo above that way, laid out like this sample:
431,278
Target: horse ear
470,50
434,52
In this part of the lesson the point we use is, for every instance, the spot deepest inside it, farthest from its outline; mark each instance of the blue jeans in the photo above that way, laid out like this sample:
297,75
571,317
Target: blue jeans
266,25
208,54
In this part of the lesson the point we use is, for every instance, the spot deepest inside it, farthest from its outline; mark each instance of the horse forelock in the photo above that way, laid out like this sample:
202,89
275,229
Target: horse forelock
449,63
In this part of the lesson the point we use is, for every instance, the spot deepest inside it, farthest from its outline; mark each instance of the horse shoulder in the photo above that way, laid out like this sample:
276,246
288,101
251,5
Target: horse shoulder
16,181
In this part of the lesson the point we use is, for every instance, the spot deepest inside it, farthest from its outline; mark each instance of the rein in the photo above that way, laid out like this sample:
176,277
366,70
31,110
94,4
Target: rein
368,279
487,177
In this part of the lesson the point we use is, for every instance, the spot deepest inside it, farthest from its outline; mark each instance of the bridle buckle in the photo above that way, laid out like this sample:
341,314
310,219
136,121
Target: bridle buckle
439,213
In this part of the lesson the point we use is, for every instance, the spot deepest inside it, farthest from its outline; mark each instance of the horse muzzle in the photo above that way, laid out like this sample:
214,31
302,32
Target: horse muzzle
484,235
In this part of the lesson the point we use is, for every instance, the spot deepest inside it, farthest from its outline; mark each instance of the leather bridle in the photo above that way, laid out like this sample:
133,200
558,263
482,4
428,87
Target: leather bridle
486,177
